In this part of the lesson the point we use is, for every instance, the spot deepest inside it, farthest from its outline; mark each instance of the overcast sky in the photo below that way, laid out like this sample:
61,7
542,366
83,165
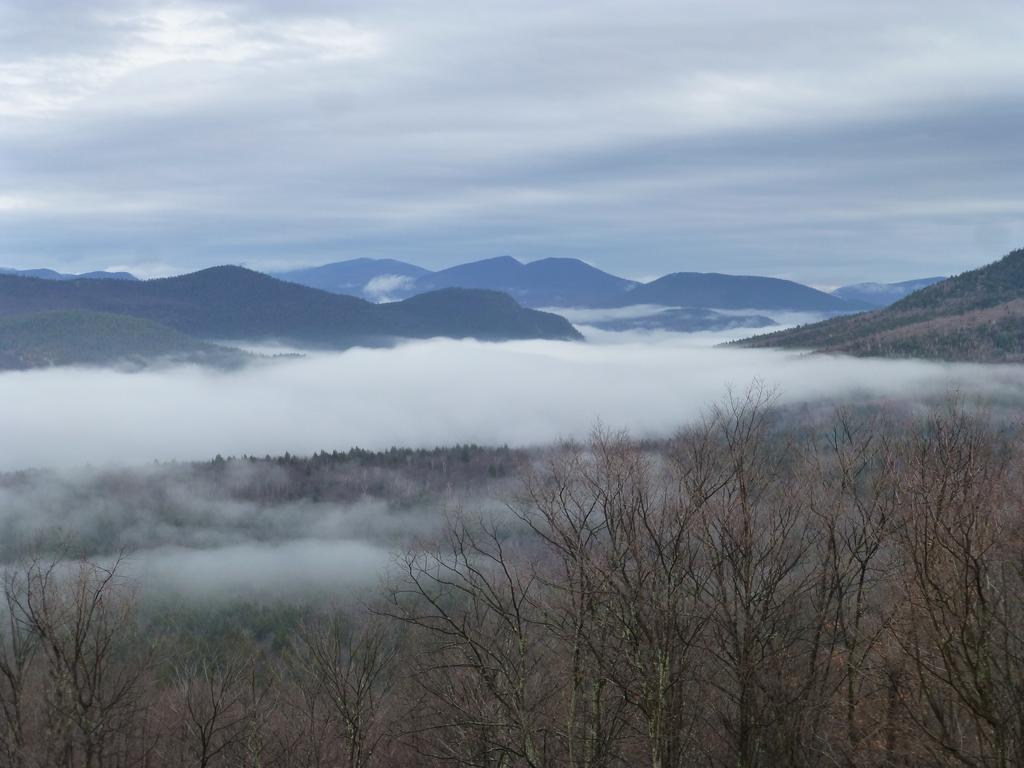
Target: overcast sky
821,141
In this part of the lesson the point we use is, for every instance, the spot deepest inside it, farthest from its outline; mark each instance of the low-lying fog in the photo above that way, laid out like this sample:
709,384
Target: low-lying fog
219,530
427,393
266,529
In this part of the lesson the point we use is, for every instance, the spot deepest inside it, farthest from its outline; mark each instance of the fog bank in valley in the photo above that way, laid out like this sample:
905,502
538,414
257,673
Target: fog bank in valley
424,394
293,529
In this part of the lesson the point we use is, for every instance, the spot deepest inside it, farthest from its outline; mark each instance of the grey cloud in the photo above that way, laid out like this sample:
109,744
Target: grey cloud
816,142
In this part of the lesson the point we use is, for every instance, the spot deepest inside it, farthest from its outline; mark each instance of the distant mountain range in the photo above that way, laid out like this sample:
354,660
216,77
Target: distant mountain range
55,318
371,279
49,274
565,283
977,316
883,294
544,283
233,303
571,283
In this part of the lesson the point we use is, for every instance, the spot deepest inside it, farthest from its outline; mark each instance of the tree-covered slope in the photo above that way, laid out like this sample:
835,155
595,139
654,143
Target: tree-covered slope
492,315
75,337
976,316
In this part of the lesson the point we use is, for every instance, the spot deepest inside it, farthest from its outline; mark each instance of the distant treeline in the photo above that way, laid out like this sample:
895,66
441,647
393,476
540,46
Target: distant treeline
758,591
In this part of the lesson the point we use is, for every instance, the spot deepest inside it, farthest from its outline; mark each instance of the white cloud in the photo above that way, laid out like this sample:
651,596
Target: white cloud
18,203
173,35
382,287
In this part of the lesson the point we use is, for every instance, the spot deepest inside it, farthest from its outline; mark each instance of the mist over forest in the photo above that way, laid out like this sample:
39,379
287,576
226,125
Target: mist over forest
641,548
511,385
768,567
611,548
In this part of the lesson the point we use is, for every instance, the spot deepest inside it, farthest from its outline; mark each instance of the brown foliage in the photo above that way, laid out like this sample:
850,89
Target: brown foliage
751,594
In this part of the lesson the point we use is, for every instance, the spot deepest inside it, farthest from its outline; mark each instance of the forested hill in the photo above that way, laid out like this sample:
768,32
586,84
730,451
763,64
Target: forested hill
977,316
716,291
75,337
237,303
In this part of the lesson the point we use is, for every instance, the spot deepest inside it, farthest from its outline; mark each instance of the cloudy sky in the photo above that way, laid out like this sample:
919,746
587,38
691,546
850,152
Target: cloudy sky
825,142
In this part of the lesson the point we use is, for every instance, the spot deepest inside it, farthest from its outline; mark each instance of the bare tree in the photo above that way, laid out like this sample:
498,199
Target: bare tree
567,507
855,497
351,669
625,590
758,538
479,649
18,647
211,704
963,628
81,615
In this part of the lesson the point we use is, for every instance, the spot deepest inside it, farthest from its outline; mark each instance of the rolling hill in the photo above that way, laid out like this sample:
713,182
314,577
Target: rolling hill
75,337
237,303
492,315
977,316
710,290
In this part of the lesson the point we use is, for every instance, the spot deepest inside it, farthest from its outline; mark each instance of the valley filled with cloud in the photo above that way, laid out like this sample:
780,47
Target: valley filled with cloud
435,392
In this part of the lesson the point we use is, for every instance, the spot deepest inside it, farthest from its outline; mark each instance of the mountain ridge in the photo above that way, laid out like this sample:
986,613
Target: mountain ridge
351,277
230,302
572,283
976,316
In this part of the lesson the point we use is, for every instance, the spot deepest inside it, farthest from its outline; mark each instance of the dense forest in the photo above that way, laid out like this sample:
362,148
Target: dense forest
767,588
